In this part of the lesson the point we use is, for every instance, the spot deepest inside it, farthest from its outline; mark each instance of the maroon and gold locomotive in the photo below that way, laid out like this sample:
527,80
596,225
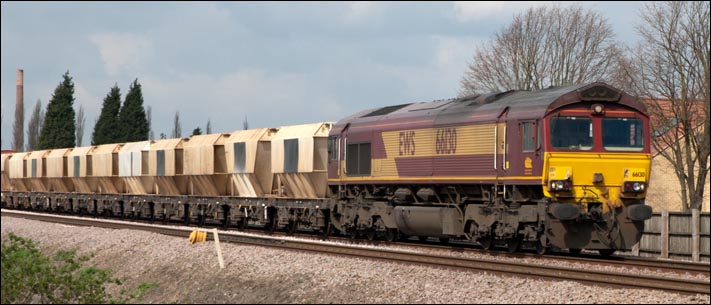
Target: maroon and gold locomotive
564,167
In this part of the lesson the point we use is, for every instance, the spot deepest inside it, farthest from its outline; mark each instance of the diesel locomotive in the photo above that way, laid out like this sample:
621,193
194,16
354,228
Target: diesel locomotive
560,168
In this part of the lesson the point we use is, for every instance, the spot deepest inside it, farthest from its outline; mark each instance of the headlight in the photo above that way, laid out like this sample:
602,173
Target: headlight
634,187
560,185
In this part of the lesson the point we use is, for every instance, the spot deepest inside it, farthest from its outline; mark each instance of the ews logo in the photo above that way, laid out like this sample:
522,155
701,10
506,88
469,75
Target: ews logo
407,143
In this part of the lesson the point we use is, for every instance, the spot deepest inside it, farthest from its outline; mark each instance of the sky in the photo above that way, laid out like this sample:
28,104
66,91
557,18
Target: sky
277,64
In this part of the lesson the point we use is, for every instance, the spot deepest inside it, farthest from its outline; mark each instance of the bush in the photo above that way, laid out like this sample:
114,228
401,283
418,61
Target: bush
28,276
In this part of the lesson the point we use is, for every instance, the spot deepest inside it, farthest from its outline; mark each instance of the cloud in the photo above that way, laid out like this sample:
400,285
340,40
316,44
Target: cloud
359,10
122,51
466,11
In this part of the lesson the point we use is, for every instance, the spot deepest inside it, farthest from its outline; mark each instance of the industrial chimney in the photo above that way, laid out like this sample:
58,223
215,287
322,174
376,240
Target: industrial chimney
18,131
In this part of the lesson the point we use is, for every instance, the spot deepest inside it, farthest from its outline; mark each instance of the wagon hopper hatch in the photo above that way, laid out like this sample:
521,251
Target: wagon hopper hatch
299,160
105,166
165,166
79,169
249,162
36,171
133,168
205,164
6,184
57,171
18,171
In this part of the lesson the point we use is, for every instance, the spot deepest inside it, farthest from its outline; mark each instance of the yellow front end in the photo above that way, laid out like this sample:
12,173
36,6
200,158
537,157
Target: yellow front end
596,199
596,177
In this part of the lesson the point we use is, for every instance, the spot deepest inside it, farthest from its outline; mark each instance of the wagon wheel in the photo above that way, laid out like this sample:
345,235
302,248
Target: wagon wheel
327,230
353,233
575,251
291,227
242,223
444,240
272,225
422,238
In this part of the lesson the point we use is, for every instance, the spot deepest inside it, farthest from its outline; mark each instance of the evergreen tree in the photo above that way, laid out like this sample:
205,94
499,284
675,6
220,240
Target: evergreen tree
107,129
197,131
132,117
58,130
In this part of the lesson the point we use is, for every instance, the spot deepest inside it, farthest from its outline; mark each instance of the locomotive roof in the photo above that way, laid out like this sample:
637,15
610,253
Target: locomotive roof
520,104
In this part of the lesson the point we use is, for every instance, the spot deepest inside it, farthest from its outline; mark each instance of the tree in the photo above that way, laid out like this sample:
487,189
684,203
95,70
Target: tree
546,46
208,128
245,124
18,130
197,131
149,118
177,133
81,121
132,117
58,130
35,126
673,68
108,128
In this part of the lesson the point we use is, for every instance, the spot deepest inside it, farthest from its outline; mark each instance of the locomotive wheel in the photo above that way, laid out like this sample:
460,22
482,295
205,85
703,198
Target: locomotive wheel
486,242
353,233
391,235
606,252
514,244
575,251
540,248
370,234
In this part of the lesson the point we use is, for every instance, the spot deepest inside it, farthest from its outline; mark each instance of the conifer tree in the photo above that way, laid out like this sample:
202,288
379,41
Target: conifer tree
132,117
58,130
107,129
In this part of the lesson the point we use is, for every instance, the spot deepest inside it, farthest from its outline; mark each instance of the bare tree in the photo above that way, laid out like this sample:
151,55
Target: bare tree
673,61
18,130
81,122
546,46
35,126
177,133
149,114
208,128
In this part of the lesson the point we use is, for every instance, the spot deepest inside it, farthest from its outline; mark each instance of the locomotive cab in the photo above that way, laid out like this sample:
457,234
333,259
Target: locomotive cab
596,172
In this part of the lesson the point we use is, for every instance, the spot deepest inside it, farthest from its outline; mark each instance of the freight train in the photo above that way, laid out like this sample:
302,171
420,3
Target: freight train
560,168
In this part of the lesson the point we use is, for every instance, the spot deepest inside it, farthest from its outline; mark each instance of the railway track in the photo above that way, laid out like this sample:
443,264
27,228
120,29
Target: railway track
625,262
501,267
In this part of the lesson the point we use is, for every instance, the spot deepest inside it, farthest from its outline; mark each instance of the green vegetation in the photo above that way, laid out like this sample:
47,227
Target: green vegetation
107,129
28,276
132,116
58,130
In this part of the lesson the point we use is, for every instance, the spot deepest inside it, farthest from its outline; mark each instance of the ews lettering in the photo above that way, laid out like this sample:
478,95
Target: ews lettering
407,143
446,141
